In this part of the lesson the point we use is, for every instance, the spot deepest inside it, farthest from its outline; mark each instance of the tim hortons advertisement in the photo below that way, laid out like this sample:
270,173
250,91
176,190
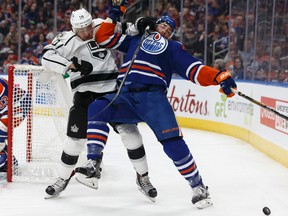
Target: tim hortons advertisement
187,102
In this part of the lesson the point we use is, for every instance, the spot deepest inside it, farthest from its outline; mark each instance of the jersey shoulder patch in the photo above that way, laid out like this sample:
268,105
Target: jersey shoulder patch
154,44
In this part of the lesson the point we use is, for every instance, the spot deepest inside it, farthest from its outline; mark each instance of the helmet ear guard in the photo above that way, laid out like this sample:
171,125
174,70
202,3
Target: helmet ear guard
80,19
170,21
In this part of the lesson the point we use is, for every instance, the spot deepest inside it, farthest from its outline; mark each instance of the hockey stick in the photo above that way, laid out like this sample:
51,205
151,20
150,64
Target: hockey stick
132,61
146,32
260,104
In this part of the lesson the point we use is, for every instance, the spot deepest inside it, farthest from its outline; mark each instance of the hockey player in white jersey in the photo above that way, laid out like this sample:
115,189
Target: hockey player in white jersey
93,73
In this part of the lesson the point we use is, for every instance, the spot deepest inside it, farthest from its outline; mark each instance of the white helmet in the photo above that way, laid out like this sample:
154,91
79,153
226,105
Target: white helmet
80,19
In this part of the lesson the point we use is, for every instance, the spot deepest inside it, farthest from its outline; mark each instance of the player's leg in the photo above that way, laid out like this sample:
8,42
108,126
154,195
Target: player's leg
177,150
133,142
70,154
74,142
97,133
167,130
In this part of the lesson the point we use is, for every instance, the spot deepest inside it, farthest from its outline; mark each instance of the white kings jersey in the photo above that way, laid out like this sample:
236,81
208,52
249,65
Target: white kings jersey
57,57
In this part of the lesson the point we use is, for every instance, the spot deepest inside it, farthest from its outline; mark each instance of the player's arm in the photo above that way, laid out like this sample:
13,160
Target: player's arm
105,35
56,57
52,60
139,26
127,28
193,70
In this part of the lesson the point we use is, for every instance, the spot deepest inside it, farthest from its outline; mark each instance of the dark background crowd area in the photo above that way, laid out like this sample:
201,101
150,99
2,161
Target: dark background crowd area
226,44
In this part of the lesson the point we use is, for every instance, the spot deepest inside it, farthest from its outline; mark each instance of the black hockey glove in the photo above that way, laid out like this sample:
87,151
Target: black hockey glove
85,67
142,22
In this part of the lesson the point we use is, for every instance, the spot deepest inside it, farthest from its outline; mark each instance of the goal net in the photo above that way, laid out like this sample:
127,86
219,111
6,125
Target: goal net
38,108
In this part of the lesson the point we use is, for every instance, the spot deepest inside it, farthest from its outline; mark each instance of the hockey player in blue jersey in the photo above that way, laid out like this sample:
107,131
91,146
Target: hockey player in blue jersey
143,95
21,108
3,123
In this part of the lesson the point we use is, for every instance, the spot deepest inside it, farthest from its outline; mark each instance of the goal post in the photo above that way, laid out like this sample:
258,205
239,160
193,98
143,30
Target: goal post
38,107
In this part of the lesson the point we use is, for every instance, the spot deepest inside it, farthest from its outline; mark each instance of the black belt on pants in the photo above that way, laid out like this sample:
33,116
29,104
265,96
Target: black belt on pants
143,88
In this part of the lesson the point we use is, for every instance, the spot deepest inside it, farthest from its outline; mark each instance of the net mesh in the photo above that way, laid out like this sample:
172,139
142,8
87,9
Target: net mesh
41,103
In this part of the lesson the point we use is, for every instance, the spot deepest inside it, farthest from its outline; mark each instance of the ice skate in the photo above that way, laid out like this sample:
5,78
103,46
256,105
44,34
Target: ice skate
89,174
55,189
145,186
201,197
60,185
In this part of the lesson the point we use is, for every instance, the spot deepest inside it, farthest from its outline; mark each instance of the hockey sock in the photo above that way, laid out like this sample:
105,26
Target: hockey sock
69,159
96,139
178,151
138,159
136,154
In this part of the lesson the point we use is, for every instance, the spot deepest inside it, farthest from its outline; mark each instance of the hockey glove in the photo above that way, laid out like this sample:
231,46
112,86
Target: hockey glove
85,67
142,22
226,82
117,9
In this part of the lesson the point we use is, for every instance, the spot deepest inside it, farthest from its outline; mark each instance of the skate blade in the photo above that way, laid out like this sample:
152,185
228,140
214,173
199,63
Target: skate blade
89,182
51,196
153,199
204,203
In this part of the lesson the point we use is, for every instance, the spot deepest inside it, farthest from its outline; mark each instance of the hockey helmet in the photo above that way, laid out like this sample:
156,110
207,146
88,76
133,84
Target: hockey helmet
170,21
80,19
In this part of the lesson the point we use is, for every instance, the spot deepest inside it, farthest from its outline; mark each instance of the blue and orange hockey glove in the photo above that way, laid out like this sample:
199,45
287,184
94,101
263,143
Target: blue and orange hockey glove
117,9
226,82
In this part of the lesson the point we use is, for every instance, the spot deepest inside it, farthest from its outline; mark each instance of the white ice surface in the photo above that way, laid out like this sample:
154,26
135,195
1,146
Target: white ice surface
241,180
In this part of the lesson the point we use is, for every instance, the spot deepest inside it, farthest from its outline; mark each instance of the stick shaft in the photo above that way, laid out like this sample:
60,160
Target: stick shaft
260,104
132,61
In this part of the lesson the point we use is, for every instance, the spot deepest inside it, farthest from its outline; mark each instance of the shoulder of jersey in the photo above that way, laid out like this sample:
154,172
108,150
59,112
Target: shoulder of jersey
97,21
65,36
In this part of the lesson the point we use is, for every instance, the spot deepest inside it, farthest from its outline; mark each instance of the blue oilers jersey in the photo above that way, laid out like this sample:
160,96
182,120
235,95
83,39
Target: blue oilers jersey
3,101
157,59
21,103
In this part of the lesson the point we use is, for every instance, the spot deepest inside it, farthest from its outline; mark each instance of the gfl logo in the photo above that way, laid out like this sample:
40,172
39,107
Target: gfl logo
220,108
